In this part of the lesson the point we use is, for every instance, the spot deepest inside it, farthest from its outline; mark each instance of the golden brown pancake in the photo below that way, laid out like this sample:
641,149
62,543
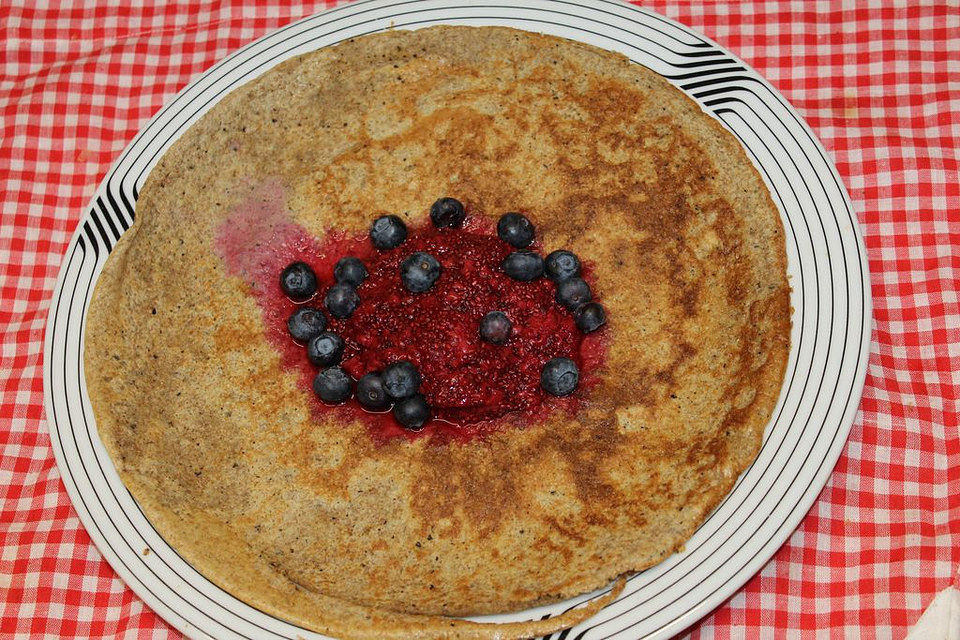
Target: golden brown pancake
309,517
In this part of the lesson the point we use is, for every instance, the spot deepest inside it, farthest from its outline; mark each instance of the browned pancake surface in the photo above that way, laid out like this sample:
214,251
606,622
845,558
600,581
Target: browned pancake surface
310,519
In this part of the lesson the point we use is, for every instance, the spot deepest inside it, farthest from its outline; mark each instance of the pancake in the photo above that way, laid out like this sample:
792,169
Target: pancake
307,515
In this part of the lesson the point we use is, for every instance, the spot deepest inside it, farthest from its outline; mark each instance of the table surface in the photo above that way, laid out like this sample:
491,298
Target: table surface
878,82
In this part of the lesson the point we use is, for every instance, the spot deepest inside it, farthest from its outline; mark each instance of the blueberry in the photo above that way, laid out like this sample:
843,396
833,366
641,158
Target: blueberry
298,281
419,271
573,292
561,265
305,323
388,232
325,349
401,380
371,392
447,212
559,376
590,317
523,265
341,300
350,271
496,327
515,229
412,413
332,385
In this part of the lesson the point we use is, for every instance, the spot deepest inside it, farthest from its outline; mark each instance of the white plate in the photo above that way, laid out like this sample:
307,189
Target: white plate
824,379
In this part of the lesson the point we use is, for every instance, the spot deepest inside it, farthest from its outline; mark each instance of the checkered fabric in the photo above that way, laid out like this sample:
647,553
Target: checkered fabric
878,82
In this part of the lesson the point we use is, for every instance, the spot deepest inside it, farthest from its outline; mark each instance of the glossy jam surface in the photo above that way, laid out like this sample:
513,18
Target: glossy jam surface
472,386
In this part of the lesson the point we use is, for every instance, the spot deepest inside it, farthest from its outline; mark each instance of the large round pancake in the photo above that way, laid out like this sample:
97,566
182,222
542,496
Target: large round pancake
314,521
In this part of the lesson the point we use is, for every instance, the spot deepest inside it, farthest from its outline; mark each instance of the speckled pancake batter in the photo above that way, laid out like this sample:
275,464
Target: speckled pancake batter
309,517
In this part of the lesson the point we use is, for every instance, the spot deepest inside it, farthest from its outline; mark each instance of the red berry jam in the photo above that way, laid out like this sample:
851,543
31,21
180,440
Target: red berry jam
471,385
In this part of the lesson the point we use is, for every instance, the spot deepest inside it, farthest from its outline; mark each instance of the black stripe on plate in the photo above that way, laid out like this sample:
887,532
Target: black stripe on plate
125,213
95,219
91,238
690,86
114,230
106,216
703,72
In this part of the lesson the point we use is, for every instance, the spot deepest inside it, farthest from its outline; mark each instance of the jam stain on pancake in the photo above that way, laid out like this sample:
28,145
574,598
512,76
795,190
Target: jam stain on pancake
469,383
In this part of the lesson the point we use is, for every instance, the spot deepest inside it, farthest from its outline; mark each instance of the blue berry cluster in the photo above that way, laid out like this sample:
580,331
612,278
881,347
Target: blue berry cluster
399,383
559,376
307,325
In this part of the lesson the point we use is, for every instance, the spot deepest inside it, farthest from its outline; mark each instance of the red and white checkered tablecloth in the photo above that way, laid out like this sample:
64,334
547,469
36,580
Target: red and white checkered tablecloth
879,83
